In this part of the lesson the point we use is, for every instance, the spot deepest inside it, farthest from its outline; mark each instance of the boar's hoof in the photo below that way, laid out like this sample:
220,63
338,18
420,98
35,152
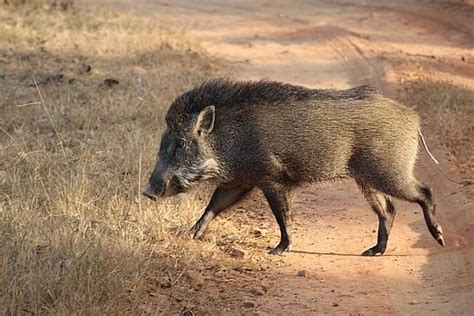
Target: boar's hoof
196,231
150,196
278,250
440,240
373,251
437,233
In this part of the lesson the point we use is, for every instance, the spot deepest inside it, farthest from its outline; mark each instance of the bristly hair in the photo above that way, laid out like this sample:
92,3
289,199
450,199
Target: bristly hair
223,92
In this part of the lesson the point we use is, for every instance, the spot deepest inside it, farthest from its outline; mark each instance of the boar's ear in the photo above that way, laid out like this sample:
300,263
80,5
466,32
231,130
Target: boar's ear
205,120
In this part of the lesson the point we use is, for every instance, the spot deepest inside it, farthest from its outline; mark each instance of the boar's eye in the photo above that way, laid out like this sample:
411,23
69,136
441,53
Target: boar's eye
179,143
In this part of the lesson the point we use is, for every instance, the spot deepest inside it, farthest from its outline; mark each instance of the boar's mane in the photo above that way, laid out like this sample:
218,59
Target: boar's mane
222,92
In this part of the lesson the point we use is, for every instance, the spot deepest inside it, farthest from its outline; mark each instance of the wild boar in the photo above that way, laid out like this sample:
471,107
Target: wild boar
277,136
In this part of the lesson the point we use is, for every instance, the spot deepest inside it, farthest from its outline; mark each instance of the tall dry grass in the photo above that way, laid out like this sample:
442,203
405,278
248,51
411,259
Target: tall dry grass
75,234
448,115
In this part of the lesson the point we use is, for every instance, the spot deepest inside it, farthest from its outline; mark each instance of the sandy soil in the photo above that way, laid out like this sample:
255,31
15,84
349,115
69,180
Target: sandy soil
338,44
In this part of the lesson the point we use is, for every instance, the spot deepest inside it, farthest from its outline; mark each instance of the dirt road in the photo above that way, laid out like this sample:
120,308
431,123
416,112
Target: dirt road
338,44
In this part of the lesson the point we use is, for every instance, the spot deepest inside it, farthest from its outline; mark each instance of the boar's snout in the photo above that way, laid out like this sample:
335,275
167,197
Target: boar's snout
154,189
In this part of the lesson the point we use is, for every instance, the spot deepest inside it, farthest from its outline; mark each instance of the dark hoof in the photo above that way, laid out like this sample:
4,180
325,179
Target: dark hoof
373,251
440,240
438,235
195,232
278,250
150,196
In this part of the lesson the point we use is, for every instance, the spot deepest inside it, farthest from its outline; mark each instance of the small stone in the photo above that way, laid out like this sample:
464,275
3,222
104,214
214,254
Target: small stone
85,68
260,232
302,273
110,82
334,304
236,253
413,302
248,304
345,295
257,291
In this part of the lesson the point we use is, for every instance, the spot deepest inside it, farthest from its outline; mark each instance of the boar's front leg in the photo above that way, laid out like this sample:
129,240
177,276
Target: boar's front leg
277,198
222,198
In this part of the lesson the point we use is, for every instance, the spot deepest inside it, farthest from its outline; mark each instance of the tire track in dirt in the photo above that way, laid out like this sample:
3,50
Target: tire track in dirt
362,69
433,15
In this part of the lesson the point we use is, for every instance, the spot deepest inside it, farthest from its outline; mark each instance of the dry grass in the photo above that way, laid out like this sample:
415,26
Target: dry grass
447,111
75,233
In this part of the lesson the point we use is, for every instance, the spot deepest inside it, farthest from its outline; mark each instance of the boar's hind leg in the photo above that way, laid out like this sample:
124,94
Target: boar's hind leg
385,210
222,198
423,195
278,201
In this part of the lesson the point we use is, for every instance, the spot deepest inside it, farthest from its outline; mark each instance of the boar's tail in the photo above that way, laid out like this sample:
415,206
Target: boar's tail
425,146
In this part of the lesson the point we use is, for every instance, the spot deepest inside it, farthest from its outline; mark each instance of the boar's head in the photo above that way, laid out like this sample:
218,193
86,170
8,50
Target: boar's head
186,155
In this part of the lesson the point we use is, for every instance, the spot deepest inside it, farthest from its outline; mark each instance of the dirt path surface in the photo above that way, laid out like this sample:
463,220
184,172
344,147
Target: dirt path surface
338,44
